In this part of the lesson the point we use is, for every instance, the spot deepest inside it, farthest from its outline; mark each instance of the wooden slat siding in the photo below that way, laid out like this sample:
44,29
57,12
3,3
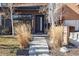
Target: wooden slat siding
71,11
74,7
27,12
70,14
29,4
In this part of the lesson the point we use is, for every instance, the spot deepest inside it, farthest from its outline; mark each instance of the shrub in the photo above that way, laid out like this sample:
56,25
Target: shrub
56,36
23,34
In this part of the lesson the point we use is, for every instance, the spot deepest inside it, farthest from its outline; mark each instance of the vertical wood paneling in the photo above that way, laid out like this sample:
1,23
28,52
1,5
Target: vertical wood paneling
72,23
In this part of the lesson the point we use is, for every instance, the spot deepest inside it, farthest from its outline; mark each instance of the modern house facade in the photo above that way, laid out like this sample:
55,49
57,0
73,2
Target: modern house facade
28,13
38,16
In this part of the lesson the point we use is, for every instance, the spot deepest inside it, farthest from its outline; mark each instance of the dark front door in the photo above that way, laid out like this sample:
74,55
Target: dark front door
39,24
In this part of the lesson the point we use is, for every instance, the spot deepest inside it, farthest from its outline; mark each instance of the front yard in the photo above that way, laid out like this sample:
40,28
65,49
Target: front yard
8,46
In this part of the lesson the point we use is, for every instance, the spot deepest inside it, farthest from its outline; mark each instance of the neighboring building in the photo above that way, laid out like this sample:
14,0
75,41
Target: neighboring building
70,15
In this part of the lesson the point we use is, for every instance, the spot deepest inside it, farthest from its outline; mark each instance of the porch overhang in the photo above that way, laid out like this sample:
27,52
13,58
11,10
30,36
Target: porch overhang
27,8
28,4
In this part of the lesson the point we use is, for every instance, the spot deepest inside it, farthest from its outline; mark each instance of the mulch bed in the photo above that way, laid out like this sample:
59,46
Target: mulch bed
72,52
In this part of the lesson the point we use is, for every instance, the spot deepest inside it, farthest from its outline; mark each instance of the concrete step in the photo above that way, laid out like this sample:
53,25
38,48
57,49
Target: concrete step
38,46
31,46
39,54
39,41
42,35
38,51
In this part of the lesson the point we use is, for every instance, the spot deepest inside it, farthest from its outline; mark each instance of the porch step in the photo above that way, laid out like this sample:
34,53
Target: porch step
38,46
38,52
42,35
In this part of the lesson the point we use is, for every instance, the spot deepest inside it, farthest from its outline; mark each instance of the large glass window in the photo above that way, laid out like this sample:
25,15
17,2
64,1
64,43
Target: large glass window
5,28
22,16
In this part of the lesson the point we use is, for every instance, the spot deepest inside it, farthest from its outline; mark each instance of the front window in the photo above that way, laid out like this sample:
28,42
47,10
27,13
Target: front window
5,26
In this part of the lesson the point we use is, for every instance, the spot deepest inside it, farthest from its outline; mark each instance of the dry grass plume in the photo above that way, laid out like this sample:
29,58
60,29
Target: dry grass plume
23,34
56,36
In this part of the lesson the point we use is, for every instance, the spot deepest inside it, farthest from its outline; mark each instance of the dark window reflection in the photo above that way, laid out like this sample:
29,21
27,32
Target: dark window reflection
5,28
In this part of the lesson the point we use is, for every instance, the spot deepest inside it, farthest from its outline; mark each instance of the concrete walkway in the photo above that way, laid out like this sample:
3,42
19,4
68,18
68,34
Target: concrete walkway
38,46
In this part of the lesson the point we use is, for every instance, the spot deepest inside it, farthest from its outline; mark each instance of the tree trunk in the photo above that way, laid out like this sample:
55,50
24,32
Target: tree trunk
51,14
11,12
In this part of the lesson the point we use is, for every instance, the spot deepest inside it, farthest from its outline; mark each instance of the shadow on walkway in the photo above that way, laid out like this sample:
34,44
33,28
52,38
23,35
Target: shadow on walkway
22,52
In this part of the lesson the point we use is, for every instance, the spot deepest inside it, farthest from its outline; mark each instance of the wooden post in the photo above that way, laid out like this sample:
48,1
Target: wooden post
66,35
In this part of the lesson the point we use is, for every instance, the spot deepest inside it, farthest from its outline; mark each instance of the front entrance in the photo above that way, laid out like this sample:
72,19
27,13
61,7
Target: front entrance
39,24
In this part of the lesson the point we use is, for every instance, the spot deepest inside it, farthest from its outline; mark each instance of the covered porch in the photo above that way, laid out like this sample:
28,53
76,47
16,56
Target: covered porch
27,13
